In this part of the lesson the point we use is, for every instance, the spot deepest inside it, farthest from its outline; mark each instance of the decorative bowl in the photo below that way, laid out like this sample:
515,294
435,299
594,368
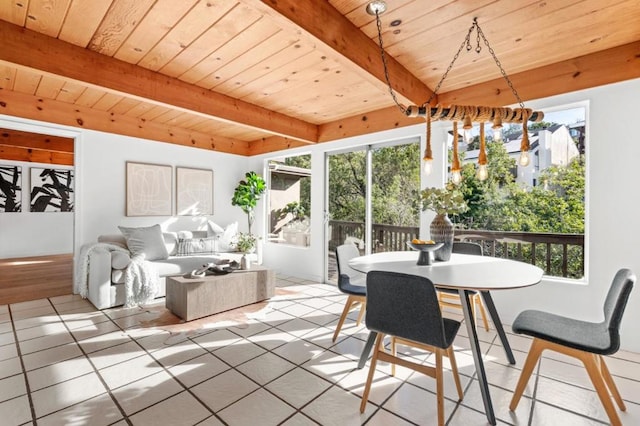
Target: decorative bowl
425,251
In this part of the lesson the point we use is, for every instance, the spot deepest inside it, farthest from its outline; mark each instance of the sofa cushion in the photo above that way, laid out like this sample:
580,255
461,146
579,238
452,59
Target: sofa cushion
117,276
119,260
191,246
170,242
178,265
145,241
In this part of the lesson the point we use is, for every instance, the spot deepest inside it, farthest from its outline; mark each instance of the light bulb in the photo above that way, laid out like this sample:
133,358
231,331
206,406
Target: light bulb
456,177
427,166
468,135
524,158
497,134
483,172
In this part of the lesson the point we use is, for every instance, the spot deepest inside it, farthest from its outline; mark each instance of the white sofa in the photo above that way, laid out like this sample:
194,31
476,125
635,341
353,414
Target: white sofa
106,267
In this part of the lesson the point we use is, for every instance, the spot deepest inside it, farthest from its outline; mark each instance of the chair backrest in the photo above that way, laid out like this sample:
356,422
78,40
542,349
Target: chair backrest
405,306
344,253
615,304
465,247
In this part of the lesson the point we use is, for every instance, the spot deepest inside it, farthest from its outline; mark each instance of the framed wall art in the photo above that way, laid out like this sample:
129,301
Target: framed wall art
10,189
148,189
194,190
51,190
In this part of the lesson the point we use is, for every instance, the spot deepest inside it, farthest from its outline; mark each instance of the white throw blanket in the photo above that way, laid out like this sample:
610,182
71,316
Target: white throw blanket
141,280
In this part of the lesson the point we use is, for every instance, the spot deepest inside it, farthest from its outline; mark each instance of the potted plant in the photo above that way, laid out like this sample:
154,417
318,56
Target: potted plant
245,243
247,194
443,201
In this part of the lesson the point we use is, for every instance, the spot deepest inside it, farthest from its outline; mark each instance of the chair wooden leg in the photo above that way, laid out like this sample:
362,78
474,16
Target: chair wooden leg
345,312
611,384
590,362
478,302
439,386
527,369
363,307
394,352
454,369
372,369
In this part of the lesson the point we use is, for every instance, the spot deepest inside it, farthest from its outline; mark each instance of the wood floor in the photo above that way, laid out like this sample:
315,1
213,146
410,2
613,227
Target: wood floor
31,278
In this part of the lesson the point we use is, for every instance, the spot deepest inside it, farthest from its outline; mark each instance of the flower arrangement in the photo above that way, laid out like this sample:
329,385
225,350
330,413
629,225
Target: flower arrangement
245,243
447,200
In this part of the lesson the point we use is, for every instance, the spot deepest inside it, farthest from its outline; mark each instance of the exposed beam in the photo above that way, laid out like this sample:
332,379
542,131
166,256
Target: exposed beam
16,153
373,121
370,122
325,24
68,61
35,108
596,69
35,141
274,143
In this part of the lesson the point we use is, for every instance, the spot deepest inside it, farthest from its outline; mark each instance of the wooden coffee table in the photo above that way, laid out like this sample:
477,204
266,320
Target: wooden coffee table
191,298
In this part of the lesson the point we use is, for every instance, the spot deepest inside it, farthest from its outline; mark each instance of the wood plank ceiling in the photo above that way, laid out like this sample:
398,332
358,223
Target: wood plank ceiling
251,76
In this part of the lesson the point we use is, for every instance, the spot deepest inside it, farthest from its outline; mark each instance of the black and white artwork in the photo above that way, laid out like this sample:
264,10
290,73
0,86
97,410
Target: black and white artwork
51,190
10,189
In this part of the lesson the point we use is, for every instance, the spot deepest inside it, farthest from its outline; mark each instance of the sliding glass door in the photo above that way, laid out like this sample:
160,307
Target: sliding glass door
372,199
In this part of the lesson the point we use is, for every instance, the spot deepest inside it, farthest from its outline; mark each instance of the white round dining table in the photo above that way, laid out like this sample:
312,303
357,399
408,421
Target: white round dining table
465,273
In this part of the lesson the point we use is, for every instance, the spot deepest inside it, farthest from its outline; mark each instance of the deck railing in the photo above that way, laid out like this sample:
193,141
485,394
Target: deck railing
559,255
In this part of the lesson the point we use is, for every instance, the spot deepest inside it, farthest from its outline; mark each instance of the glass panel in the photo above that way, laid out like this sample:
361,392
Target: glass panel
290,200
346,204
395,196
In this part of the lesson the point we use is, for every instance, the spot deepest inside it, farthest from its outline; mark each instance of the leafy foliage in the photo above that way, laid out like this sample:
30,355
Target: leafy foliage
247,194
395,185
447,200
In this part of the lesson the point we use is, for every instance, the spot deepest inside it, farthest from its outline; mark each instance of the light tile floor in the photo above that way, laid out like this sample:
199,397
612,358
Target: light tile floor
64,363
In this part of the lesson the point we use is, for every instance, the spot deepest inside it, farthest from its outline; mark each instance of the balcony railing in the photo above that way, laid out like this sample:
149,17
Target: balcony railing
560,255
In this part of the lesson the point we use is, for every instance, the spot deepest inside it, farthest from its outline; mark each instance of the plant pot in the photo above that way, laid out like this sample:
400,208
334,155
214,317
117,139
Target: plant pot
442,232
245,263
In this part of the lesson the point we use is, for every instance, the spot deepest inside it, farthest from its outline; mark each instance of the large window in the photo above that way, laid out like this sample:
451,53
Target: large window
537,214
290,200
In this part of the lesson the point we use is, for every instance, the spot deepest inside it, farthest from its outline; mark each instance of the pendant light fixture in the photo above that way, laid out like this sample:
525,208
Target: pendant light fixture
468,114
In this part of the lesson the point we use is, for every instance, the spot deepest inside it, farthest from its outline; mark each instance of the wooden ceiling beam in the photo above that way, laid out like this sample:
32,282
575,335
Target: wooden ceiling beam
362,124
272,144
596,69
25,48
52,111
325,24
35,141
16,153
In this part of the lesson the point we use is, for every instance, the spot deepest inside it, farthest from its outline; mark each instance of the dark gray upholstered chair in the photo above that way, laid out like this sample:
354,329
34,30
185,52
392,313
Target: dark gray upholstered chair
587,341
451,298
350,282
405,307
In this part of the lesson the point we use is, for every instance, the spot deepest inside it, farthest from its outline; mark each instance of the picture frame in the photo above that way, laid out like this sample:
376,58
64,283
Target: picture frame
51,190
10,189
194,191
148,189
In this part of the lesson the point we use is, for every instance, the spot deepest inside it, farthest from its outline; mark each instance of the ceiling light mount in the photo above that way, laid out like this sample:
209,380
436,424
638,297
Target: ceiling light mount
376,8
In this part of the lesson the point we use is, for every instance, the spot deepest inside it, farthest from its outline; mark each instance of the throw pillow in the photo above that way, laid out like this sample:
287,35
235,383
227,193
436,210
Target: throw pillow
213,229
145,241
187,247
228,238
